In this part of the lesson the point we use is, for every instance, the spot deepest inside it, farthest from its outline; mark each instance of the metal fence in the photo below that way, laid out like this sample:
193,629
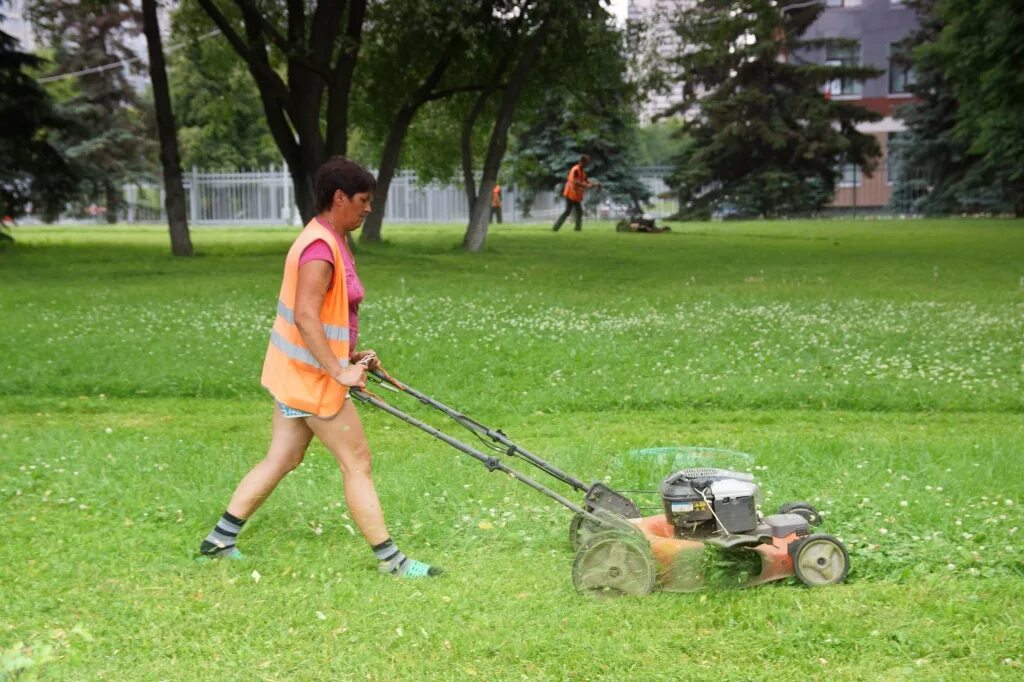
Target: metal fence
267,198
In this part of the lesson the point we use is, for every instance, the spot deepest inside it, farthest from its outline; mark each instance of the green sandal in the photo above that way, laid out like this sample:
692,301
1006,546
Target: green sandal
417,569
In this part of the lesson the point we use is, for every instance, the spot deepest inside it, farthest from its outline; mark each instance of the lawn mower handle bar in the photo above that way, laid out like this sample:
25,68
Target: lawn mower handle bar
494,434
492,463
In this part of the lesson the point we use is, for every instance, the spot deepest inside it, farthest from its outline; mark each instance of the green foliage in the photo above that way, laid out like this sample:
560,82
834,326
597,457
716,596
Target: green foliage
980,48
114,139
762,137
659,143
430,147
131,407
221,124
453,33
966,133
34,171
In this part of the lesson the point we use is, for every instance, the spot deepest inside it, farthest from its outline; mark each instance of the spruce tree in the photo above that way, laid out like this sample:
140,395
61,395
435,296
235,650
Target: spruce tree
114,141
759,132
34,173
965,140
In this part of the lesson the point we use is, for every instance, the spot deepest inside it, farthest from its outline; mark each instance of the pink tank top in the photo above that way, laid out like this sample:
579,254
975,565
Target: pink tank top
319,250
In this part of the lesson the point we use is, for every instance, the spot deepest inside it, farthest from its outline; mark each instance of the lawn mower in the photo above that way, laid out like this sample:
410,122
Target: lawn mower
705,511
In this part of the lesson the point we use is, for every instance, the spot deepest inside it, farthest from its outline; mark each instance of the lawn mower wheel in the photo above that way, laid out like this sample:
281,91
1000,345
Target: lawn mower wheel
804,509
614,564
820,559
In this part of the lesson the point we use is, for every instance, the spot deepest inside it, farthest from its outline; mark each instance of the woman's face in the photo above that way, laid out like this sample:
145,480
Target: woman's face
350,212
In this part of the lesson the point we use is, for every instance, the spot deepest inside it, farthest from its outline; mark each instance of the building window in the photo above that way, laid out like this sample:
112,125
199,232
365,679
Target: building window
843,55
849,175
894,145
901,69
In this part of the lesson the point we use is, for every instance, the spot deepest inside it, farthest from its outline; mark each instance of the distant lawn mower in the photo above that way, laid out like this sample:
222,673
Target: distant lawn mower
708,512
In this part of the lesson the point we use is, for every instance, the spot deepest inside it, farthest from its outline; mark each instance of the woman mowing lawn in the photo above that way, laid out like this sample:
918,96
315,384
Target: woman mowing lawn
311,363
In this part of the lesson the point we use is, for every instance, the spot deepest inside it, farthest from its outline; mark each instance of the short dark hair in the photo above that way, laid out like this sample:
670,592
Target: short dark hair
584,158
337,173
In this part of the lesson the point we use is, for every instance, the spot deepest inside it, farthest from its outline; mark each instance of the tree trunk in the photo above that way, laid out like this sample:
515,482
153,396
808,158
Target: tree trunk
396,136
177,217
476,231
302,186
112,199
386,173
466,145
466,141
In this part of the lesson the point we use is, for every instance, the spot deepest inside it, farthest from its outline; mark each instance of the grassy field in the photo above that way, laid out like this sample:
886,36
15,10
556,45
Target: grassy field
875,369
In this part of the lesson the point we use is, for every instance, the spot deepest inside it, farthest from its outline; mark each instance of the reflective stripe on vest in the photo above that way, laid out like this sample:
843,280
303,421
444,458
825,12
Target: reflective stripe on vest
332,331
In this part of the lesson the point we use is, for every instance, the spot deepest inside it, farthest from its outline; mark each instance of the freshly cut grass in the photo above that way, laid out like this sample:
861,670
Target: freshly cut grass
872,369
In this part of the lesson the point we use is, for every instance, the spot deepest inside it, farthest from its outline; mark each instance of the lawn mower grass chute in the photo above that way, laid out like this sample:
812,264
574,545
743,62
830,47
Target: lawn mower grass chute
708,514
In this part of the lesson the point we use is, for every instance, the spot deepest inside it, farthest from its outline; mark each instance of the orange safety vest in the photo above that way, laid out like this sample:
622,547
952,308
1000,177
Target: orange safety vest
496,196
290,372
570,192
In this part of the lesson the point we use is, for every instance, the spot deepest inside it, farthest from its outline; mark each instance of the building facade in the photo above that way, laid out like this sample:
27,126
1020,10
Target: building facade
657,14
877,26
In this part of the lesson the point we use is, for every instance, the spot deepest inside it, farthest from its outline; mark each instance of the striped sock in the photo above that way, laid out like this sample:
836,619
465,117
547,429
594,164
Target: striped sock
221,540
392,561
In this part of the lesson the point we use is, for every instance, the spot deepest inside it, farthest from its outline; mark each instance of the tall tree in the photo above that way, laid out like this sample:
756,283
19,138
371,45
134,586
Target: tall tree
177,218
112,143
221,124
935,174
319,48
34,173
761,135
397,88
983,55
966,129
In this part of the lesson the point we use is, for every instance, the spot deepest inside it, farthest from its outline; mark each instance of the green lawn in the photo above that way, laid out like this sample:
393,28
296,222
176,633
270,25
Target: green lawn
874,368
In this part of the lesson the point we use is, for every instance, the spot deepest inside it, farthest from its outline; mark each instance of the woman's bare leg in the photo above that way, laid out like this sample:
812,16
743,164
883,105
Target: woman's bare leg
344,436
288,442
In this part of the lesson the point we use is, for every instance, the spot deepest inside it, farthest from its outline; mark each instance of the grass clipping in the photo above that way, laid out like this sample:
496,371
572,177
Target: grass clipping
712,568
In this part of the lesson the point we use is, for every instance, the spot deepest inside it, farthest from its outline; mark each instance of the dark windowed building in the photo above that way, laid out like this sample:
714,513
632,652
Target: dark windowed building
876,27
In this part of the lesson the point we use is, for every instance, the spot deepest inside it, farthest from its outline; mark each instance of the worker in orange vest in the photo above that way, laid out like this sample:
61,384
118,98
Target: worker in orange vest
311,364
496,202
575,185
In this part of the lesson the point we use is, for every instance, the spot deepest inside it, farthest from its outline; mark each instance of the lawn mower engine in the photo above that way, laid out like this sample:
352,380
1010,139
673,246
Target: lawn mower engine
703,501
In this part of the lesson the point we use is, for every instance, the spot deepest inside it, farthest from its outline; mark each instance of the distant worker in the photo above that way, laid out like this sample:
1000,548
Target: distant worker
496,203
575,185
